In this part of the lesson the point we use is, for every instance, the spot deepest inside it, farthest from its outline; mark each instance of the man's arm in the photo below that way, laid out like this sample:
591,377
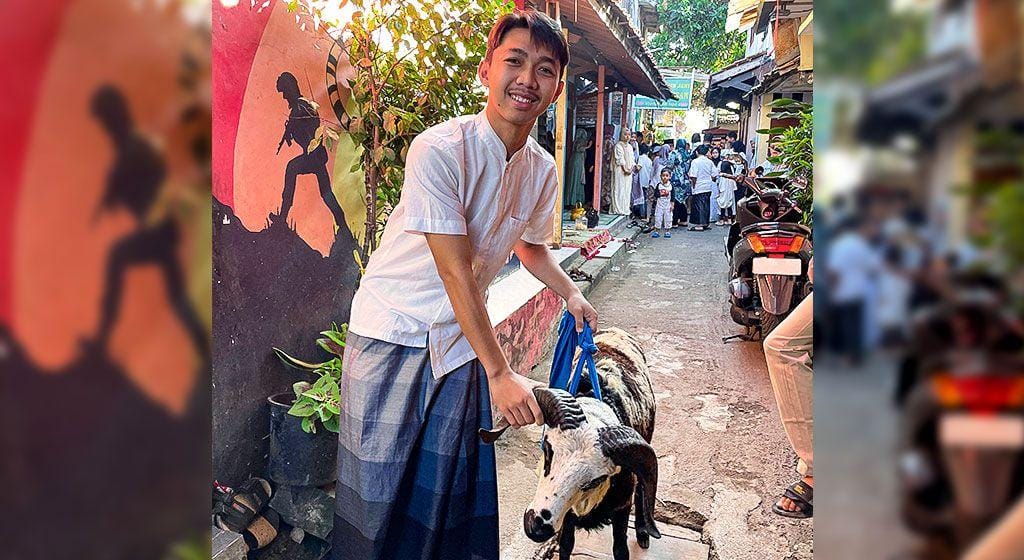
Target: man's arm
512,394
539,262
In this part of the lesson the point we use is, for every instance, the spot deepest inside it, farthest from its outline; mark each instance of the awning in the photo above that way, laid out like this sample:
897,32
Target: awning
606,36
919,100
741,14
786,9
733,82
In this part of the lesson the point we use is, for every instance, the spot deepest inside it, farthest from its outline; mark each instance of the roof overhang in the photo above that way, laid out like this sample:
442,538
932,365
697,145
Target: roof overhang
741,14
606,37
919,100
786,9
735,81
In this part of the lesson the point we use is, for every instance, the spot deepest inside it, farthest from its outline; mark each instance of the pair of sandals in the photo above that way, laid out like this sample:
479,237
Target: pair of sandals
243,510
802,494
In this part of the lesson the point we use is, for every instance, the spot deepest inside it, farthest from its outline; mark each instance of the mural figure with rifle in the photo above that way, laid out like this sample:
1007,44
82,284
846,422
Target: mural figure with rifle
134,182
301,126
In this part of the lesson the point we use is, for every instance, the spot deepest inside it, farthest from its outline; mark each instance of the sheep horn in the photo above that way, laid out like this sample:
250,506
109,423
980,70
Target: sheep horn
559,408
624,446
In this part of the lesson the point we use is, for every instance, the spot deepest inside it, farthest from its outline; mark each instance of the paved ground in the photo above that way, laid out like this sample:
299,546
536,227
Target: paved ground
856,461
722,451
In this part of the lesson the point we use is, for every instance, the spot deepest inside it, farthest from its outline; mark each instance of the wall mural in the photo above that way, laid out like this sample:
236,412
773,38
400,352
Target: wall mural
288,216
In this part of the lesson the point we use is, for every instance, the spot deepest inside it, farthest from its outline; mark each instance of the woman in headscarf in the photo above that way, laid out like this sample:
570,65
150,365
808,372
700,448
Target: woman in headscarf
574,186
715,155
679,165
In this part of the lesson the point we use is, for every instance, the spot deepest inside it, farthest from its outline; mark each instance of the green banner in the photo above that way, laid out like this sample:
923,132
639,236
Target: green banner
681,87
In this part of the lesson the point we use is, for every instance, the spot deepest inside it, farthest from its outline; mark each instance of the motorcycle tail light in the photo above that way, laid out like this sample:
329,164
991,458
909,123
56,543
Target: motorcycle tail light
776,244
985,393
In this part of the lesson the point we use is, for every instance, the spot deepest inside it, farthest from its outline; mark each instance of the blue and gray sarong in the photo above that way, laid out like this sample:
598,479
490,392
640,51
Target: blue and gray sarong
414,479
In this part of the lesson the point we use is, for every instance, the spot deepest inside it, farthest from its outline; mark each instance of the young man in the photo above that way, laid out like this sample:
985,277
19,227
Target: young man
703,175
422,363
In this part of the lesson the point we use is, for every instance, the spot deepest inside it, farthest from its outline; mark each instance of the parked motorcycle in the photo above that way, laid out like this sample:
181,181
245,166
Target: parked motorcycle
961,446
769,251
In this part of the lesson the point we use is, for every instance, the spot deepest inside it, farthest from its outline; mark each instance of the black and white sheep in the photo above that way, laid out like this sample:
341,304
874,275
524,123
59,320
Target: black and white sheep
598,461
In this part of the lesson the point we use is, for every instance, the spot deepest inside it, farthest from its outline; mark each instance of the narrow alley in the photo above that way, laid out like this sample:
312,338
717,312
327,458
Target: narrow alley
723,454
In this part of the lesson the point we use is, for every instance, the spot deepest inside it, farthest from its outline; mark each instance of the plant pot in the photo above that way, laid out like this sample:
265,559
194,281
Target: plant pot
298,458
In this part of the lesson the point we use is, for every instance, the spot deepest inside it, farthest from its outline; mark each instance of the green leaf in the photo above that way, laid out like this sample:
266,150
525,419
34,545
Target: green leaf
309,425
300,387
302,408
332,424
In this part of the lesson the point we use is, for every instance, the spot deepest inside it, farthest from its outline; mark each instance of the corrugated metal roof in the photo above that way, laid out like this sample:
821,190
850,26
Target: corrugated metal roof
616,44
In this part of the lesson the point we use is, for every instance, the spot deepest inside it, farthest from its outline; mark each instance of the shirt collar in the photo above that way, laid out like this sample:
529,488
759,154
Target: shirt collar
494,142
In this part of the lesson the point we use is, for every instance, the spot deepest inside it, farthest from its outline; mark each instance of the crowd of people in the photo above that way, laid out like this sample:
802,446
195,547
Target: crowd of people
687,184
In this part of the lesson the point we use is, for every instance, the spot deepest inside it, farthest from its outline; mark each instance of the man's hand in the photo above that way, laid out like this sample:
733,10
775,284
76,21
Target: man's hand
581,310
512,394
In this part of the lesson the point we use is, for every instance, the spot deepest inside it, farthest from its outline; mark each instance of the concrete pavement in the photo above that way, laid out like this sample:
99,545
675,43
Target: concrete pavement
722,451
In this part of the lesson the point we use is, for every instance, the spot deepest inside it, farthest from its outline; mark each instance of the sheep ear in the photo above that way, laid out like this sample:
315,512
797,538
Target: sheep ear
624,446
559,408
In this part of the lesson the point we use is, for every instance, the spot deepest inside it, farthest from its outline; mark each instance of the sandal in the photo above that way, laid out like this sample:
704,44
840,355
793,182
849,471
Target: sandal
802,495
235,508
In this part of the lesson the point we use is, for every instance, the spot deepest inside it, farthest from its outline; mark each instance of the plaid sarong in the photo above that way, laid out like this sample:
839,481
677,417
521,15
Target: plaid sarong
414,479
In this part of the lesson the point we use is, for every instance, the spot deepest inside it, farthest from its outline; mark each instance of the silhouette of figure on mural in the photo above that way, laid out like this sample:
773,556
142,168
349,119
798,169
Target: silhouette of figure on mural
134,182
303,121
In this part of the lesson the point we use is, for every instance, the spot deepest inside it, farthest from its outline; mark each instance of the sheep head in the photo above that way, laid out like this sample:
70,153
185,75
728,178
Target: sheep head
580,457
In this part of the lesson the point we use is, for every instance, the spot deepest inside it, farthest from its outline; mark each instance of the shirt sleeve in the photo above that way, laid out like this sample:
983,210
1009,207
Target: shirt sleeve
541,225
430,191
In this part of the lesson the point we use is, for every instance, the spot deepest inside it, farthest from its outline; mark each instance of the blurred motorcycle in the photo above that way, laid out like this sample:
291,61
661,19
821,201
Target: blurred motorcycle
961,447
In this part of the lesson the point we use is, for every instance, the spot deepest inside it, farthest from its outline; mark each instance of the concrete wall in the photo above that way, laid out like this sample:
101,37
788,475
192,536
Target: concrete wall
276,283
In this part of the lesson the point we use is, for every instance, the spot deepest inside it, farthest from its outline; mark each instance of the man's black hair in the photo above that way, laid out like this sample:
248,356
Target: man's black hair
732,134
703,149
644,149
544,32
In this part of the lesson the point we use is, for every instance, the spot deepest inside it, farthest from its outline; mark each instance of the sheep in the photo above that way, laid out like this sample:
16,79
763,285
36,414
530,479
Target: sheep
597,458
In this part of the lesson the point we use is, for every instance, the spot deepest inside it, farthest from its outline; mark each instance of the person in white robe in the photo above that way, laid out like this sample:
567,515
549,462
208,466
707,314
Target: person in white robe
624,165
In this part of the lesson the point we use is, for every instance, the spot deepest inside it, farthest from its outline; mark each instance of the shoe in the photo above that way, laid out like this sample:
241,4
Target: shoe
693,228
668,235
655,235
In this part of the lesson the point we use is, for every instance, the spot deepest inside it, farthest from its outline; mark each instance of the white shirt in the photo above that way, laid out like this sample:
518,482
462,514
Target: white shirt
854,264
705,171
456,182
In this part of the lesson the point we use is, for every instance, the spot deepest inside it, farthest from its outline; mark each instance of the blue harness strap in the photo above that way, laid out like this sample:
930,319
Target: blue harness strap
563,375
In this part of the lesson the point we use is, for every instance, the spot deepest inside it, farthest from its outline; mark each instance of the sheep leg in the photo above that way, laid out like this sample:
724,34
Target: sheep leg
642,538
567,537
620,526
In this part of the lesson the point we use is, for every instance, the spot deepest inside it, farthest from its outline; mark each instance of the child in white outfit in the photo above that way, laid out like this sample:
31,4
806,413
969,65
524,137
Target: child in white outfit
663,205
726,192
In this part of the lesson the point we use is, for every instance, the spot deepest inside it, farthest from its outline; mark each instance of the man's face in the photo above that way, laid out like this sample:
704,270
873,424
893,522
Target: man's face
626,136
522,78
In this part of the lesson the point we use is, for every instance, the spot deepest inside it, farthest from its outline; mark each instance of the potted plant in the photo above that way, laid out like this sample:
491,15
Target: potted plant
304,422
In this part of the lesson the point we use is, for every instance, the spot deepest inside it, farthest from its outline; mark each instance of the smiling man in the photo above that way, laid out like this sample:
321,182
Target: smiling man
422,363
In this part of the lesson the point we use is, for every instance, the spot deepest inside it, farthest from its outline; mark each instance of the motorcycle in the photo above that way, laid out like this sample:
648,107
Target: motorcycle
769,252
961,444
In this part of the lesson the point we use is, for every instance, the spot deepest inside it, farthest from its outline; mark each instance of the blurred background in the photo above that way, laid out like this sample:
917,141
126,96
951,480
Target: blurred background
919,130
105,279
